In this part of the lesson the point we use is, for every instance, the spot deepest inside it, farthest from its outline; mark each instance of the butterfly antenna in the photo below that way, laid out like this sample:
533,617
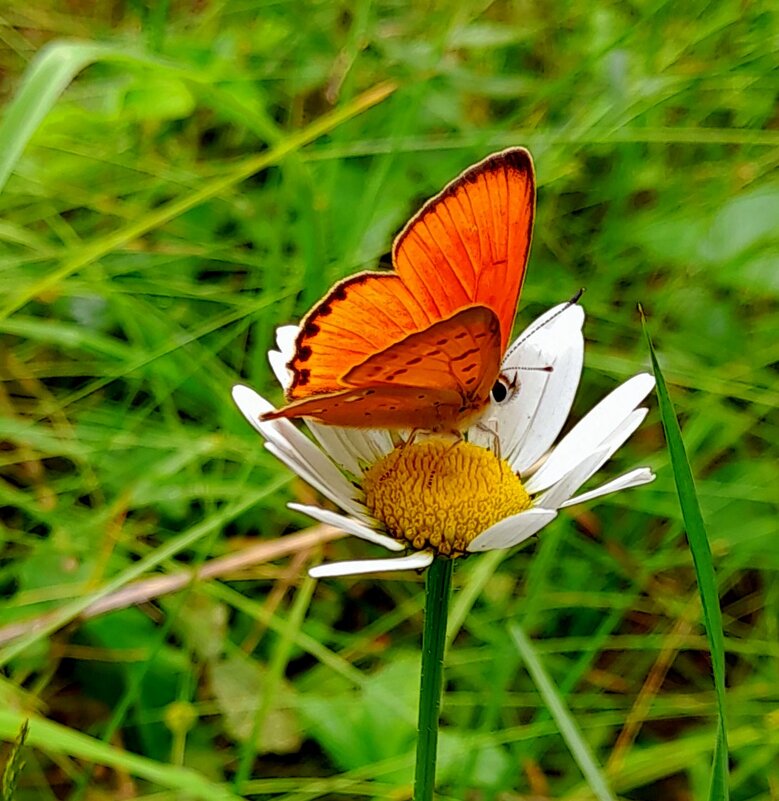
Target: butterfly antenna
572,302
546,369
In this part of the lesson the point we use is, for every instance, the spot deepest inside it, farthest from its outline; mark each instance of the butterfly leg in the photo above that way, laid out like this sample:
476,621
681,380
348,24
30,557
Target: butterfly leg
410,439
494,436
459,438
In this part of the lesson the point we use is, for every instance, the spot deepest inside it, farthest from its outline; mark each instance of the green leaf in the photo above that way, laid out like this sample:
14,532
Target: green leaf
704,569
742,223
238,684
17,128
362,727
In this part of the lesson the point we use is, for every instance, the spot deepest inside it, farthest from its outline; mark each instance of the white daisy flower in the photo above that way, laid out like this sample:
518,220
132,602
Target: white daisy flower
496,489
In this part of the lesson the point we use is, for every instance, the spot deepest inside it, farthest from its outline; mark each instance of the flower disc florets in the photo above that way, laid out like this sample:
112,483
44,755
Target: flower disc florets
439,495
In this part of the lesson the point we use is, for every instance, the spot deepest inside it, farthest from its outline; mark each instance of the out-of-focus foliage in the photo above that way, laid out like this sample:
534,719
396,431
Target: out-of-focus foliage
654,130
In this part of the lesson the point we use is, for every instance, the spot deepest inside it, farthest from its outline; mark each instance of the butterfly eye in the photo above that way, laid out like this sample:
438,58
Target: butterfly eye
500,390
504,388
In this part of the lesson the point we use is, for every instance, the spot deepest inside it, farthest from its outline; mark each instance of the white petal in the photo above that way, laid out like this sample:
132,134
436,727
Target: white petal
635,478
378,442
349,448
330,439
352,448
512,530
278,363
298,452
251,406
528,422
562,344
591,431
563,489
348,524
341,493
558,494
562,316
414,561
285,340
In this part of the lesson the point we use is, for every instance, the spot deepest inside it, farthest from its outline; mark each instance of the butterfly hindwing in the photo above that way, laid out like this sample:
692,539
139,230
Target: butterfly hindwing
378,407
460,354
432,379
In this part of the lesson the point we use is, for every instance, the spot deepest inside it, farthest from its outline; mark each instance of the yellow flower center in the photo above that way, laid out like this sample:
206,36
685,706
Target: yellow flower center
442,495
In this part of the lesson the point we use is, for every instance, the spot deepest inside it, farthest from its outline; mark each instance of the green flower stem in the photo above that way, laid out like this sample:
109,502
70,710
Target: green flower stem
438,583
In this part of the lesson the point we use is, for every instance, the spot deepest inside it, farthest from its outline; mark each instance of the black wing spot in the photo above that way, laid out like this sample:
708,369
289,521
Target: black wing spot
304,376
431,354
465,355
369,392
442,342
469,367
325,309
304,353
311,329
470,379
399,371
415,360
339,293
461,335
421,397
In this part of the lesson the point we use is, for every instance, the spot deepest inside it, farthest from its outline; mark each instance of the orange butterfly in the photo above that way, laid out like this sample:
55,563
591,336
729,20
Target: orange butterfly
421,347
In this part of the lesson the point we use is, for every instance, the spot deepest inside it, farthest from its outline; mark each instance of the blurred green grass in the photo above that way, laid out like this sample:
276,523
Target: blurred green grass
654,130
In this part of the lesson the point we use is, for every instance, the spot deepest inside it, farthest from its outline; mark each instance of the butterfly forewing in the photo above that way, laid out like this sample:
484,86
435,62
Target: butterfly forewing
470,244
361,316
467,246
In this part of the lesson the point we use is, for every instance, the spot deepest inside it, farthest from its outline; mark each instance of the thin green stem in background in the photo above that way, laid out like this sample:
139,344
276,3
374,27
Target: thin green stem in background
562,716
277,667
438,583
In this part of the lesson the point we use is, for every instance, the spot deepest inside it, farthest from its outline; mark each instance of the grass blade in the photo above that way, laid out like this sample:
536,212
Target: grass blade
14,764
49,74
97,248
704,570
54,738
565,723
